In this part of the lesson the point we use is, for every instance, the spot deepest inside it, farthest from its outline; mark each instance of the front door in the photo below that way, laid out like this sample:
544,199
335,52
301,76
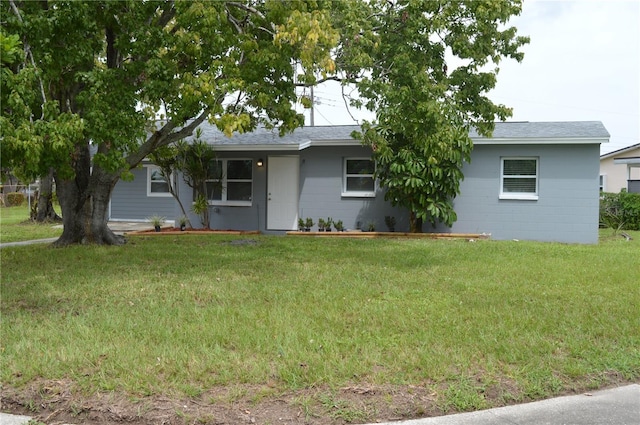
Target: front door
282,192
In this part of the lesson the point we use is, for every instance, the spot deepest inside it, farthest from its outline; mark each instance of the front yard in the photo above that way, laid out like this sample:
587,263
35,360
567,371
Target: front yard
221,329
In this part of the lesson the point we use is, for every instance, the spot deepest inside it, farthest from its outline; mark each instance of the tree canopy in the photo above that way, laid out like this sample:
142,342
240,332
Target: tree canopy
93,77
425,68
91,88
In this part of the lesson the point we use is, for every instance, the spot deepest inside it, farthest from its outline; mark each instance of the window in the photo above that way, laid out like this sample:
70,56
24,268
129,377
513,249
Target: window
603,182
232,183
358,179
519,178
156,183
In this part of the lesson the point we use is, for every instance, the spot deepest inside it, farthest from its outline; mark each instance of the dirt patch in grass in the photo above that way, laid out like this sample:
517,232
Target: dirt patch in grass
57,402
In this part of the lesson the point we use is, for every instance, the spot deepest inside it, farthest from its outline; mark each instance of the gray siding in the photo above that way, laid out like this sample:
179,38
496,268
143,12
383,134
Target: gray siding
233,217
129,200
567,208
321,189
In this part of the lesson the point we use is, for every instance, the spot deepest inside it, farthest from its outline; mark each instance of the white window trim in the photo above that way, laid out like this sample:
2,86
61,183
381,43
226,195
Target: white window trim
603,186
357,194
150,169
224,202
522,196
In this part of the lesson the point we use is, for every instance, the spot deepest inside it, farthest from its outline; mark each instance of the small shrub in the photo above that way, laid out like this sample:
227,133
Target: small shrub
620,211
15,199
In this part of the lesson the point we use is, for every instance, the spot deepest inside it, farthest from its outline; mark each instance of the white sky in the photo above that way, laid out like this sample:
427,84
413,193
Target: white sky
582,64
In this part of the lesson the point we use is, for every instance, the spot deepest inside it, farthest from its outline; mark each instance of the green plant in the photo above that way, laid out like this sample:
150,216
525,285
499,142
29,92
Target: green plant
15,199
371,227
620,211
183,221
201,207
201,171
390,221
327,224
156,220
300,224
308,223
339,225
321,224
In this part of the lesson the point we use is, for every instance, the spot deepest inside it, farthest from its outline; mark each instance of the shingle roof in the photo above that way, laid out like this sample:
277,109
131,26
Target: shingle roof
546,130
620,151
505,132
264,137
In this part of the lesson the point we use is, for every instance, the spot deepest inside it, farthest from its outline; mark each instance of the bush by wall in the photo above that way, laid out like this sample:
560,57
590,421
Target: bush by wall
15,199
620,210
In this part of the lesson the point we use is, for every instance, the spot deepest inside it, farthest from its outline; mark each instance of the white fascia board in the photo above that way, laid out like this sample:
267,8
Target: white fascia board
338,142
284,147
620,151
253,148
630,161
541,141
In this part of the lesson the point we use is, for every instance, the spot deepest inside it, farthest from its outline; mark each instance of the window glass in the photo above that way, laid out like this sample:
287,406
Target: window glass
520,167
239,191
360,184
519,185
214,190
519,179
156,185
239,169
232,183
358,179
360,166
215,169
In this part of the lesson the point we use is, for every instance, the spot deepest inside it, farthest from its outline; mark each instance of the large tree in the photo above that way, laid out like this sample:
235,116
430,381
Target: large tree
425,68
97,74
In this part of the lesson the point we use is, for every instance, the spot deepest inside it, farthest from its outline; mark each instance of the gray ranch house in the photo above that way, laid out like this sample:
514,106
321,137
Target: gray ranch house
529,181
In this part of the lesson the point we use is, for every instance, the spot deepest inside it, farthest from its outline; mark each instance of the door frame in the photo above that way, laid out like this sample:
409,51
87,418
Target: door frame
292,172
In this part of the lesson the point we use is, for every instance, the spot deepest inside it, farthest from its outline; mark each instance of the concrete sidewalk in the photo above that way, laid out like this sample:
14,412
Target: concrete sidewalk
615,406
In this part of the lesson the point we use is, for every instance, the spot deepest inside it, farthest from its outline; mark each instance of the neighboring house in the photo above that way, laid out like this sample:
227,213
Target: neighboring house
531,180
621,170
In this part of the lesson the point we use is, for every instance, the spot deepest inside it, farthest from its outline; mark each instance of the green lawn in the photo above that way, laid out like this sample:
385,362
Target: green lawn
181,314
15,226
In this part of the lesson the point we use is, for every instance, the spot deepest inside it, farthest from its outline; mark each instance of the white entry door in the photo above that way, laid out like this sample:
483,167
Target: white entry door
282,192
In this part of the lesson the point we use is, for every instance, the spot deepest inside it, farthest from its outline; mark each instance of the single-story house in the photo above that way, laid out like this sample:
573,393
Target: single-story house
530,181
620,169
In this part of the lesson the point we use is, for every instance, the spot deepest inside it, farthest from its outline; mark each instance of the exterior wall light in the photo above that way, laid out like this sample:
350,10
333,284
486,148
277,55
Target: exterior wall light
260,163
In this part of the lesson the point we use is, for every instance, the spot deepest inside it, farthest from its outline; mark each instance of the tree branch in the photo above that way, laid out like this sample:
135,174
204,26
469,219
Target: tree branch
29,55
167,15
323,80
164,137
246,8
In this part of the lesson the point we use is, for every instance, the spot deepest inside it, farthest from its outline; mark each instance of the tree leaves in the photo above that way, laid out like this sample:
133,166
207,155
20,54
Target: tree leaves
427,68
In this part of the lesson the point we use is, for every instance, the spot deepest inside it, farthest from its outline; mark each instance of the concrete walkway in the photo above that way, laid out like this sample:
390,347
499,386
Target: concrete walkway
118,227
615,406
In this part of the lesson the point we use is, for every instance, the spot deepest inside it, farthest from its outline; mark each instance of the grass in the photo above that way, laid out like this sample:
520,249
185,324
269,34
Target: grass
178,315
15,226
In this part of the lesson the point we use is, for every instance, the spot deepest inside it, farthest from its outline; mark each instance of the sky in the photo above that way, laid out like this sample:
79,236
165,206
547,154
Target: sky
582,64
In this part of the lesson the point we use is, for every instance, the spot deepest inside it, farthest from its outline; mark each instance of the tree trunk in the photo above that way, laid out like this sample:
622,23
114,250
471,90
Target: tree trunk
84,200
415,223
45,211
